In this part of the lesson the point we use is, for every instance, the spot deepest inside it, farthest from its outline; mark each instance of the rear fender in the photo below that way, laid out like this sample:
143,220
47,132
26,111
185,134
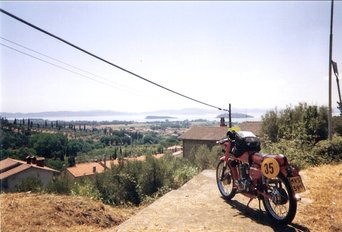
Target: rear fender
290,171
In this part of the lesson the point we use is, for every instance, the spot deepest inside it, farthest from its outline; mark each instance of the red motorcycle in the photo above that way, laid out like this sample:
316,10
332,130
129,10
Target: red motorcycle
269,178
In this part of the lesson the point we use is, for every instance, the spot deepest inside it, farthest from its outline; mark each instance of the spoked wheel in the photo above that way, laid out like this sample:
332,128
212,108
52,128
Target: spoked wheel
282,205
224,181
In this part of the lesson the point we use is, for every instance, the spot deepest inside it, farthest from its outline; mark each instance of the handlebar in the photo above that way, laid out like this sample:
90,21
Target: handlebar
222,141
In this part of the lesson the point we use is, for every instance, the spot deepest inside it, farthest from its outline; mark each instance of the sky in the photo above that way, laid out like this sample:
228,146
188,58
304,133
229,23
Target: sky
248,53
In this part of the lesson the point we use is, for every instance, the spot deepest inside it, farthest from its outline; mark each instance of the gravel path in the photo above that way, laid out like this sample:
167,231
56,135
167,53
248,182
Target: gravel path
198,206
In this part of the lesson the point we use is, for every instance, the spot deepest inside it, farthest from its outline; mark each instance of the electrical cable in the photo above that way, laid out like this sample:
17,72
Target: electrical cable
106,61
58,66
72,66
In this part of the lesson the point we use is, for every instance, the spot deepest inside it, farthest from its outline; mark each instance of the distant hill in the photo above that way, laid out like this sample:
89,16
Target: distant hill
170,112
158,117
62,114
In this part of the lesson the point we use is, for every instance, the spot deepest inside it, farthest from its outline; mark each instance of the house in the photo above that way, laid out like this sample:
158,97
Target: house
254,127
174,148
177,151
81,170
13,172
197,136
85,169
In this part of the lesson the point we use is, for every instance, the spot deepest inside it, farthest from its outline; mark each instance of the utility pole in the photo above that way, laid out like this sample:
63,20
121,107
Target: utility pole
230,115
330,59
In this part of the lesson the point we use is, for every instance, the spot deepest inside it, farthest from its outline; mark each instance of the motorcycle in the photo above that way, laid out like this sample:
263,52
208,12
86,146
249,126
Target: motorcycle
269,178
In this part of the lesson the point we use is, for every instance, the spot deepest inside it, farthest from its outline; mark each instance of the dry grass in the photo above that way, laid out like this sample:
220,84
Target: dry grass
324,185
46,212
320,209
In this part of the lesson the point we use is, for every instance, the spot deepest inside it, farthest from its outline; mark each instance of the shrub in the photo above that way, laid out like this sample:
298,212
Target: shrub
85,188
29,184
205,158
60,185
304,154
307,123
116,187
327,151
135,182
337,125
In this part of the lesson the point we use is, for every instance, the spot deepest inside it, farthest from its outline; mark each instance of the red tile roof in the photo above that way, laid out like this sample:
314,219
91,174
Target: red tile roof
204,133
14,171
254,127
85,169
9,167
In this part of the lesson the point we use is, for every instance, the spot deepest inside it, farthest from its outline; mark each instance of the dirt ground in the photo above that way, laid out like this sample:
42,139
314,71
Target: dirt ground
196,206
48,212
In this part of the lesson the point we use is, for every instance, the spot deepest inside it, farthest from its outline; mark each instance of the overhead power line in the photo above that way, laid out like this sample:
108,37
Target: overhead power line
58,66
64,63
106,61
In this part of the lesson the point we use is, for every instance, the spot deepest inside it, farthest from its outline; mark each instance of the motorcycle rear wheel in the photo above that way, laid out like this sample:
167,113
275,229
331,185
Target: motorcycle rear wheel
283,205
225,181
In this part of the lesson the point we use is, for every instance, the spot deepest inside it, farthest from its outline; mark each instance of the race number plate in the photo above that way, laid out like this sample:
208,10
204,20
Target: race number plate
297,184
270,168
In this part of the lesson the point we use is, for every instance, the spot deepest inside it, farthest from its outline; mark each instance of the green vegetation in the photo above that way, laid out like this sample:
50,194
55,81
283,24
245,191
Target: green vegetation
300,133
65,143
205,158
133,182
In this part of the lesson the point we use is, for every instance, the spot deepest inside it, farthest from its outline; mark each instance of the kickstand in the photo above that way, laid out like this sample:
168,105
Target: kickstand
250,200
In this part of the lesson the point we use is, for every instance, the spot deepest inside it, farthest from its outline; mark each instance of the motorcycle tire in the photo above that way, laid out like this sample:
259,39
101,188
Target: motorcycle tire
225,181
285,196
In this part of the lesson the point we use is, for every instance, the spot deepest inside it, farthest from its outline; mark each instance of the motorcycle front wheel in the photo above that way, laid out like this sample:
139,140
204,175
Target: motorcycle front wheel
225,181
282,205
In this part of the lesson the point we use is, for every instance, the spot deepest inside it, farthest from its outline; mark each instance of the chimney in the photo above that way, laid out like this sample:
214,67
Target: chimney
28,159
94,169
34,160
40,161
222,122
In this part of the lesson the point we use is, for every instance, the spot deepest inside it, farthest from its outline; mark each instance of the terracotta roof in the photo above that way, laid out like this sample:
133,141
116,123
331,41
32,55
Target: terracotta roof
14,171
254,127
204,133
85,169
9,167
8,164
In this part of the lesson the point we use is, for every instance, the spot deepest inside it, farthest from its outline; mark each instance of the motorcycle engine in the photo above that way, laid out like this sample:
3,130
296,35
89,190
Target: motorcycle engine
244,182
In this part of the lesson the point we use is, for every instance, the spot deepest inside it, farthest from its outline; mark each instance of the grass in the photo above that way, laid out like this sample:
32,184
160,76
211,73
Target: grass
48,212
319,210
324,187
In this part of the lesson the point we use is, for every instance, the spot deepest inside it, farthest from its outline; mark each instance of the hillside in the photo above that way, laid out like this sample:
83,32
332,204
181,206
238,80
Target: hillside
47,212
195,206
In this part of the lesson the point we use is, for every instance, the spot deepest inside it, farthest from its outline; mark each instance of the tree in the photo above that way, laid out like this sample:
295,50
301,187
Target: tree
339,106
305,123
49,145
270,126
337,124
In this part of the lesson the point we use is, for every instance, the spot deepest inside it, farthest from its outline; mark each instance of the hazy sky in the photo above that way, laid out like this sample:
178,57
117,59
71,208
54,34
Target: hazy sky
250,54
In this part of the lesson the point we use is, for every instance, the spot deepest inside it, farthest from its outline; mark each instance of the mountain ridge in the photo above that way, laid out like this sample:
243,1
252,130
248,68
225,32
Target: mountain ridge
65,113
